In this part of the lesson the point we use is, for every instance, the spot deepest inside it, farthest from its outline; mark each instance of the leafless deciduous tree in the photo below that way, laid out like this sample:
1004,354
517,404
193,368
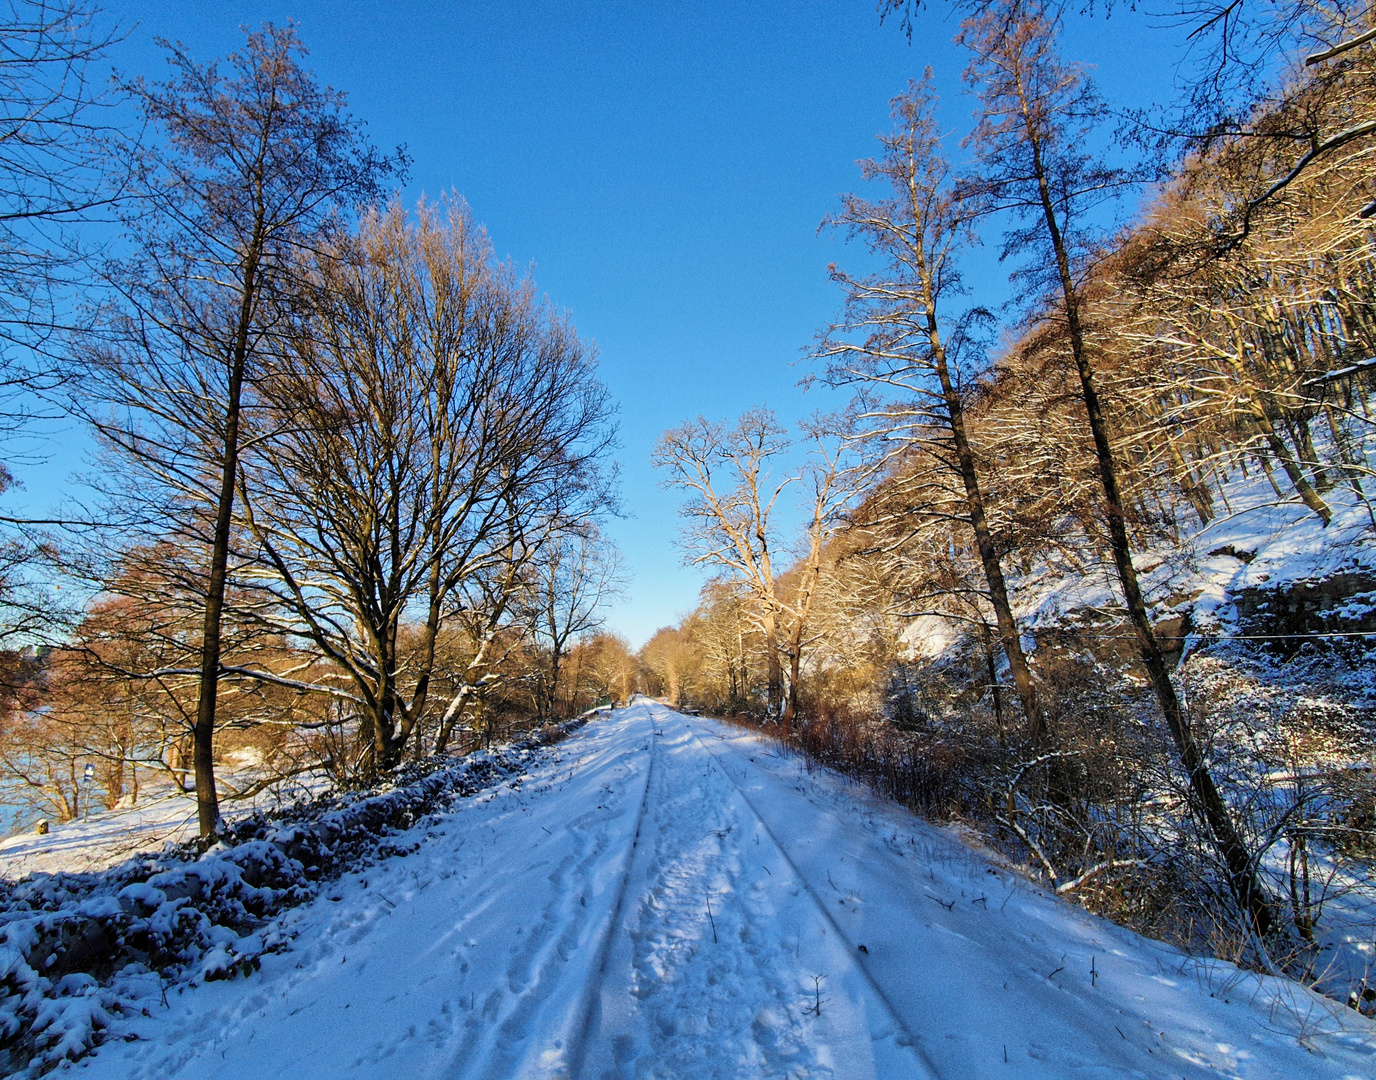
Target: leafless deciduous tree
732,498
433,430
574,577
724,632
54,176
900,349
672,661
1235,78
1029,142
1246,355
608,670
54,172
247,169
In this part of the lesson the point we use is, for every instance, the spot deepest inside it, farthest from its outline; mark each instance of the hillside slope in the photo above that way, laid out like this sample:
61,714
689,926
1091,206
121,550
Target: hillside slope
665,896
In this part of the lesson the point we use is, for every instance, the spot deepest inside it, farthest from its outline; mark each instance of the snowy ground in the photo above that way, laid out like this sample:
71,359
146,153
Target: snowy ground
1281,543
667,897
107,838
164,815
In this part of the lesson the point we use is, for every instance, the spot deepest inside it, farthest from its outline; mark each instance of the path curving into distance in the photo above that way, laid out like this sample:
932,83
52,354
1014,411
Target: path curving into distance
667,896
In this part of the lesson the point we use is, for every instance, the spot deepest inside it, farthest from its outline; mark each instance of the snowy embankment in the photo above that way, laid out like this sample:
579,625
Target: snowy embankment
1272,616
1257,547
84,946
664,896
162,816
1257,544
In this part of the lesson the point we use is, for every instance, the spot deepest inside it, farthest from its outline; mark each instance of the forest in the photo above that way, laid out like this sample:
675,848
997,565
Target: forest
1089,574
1020,598
352,466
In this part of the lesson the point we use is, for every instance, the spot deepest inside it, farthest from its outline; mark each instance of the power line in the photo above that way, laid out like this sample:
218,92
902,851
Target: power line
1218,636
1273,637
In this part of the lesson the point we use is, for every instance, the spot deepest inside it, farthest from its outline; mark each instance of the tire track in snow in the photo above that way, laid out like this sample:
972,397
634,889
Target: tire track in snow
914,1043
590,1003
430,933
497,1031
694,1007
537,976
690,996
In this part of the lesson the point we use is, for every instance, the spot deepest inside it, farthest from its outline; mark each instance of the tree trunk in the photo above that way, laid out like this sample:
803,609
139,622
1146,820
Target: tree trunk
776,675
203,735
992,669
386,745
1293,469
988,553
1196,490
556,658
791,706
1245,884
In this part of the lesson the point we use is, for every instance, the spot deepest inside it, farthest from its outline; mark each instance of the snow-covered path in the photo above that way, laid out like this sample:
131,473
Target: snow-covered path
668,897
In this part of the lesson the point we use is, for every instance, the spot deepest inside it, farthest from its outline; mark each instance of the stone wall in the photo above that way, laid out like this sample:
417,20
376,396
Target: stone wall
1341,603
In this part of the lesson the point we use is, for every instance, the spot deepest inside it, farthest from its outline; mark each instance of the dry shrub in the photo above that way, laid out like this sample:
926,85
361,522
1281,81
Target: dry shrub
1103,800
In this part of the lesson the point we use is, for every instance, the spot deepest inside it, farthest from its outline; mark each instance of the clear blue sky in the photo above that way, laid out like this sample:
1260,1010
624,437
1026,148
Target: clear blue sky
664,167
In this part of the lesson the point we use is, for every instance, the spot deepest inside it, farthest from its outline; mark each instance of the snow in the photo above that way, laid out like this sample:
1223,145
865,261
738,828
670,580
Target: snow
664,896
107,838
117,934
163,815
1283,544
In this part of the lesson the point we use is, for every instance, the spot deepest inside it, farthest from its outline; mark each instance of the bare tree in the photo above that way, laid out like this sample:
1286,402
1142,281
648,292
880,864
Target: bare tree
55,172
492,613
731,521
432,425
720,627
1035,113
1236,79
731,528
830,487
1245,57
54,176
575,575
249,168
609,669
894,341
670,656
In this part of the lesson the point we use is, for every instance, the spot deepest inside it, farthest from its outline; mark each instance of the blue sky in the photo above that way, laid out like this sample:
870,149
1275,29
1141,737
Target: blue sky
664,168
